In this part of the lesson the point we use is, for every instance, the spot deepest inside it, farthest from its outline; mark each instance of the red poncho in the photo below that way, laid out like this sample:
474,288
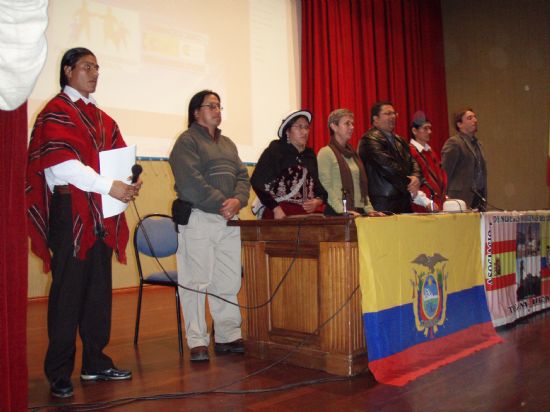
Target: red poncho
435,177
66,130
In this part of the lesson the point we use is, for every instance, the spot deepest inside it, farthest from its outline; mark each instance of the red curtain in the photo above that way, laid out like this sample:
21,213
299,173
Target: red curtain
356,52
13,261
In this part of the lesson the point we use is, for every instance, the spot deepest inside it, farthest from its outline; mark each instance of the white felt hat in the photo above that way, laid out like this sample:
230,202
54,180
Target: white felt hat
291,116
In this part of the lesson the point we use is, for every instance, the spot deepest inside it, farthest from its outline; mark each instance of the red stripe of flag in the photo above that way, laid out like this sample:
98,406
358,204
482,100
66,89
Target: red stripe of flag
405,366
503,246
501,282
545,273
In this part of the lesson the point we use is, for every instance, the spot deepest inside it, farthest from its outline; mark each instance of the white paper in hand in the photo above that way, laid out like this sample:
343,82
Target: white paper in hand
116,164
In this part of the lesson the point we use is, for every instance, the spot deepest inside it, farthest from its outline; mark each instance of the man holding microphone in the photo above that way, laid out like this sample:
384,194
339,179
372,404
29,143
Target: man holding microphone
63,190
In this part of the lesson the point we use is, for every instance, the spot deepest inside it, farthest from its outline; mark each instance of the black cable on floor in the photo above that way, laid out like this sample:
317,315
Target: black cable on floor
218,389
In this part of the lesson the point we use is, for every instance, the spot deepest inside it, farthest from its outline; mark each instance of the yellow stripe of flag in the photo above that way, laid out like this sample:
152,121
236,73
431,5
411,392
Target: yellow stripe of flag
389,245
504,264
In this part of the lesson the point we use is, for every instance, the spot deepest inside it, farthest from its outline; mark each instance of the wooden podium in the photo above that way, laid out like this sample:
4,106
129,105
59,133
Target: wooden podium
320,256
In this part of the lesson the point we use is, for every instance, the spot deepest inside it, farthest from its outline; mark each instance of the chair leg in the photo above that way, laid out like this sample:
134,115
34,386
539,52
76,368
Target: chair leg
178,315
138,314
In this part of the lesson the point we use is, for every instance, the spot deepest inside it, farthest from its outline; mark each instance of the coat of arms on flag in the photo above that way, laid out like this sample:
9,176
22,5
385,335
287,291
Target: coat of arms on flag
429,293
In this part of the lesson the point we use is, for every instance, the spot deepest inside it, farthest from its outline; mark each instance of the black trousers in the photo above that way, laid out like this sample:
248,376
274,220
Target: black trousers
80,298
401,204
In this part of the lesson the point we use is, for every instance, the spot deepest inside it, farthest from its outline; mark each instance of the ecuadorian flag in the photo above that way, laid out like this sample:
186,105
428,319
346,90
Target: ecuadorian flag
423,298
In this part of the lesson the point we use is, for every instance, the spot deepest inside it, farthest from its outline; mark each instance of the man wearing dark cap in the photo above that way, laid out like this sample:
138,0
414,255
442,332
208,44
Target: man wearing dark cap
393,174
463,160
434,178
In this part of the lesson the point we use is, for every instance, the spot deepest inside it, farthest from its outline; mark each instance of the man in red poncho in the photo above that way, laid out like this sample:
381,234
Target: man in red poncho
434,178
63,190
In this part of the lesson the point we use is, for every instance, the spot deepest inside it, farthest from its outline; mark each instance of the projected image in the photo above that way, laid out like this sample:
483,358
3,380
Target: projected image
154,56
113,27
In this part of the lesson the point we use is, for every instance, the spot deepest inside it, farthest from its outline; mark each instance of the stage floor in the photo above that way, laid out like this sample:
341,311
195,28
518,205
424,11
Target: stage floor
510,376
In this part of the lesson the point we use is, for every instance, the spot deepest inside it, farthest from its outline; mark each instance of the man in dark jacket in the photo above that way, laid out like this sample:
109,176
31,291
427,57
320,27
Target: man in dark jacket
464,162
393,174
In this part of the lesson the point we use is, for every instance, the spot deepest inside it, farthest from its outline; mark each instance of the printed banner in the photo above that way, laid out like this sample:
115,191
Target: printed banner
516,264
423,299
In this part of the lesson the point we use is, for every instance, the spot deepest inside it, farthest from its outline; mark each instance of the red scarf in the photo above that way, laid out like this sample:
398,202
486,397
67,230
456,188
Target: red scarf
435,177
67,130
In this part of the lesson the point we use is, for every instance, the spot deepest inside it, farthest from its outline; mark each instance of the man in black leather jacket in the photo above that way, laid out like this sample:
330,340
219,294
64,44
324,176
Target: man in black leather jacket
393,174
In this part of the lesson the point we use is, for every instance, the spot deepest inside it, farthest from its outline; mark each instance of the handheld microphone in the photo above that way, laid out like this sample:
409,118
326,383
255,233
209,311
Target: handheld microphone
345,201
136,171
475,192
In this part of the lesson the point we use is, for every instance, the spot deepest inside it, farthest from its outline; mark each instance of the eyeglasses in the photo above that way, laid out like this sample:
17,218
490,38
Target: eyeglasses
212,106
301,126
390,114
89,67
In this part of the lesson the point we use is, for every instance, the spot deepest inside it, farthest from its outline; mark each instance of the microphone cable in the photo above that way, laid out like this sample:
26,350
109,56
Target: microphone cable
221,389
494,207
484,200
458,204
206,293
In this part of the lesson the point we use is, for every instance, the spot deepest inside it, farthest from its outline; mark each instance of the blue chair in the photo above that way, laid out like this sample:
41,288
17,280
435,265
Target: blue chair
157,232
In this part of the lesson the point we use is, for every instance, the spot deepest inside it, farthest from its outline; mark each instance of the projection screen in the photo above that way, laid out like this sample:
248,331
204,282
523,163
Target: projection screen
154,55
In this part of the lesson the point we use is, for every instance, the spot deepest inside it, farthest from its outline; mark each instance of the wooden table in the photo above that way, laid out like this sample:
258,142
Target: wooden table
323,279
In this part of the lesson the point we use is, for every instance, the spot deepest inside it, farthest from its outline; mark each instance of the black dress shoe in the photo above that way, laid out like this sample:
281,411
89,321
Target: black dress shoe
199,354
237,346
111,374
61,388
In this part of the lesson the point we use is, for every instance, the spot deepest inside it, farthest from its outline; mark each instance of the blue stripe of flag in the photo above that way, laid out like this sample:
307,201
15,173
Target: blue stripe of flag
393,330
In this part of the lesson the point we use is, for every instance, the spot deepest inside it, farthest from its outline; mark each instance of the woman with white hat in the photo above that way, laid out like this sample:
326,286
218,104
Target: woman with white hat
286,178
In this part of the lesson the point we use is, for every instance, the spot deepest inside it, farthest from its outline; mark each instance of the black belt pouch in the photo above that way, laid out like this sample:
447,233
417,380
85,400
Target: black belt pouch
181,210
